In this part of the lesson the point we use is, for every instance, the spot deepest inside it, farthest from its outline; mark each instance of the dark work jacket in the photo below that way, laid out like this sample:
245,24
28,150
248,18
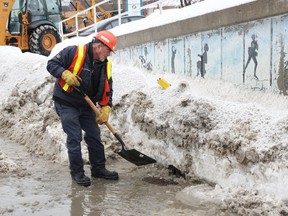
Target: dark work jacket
93,77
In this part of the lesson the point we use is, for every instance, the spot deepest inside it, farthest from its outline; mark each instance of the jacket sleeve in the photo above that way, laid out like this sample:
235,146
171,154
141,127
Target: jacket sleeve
61,61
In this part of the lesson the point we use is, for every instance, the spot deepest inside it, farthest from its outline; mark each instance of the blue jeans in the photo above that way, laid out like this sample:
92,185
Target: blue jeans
74,120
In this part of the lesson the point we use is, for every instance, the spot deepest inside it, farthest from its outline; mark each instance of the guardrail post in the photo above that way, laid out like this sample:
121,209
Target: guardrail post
95,19
119,12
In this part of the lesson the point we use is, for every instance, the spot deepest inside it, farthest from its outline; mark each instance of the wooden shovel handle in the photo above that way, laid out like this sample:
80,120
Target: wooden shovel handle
96,110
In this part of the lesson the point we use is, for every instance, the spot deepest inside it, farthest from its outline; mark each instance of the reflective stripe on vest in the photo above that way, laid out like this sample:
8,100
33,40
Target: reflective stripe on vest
107,93
75,67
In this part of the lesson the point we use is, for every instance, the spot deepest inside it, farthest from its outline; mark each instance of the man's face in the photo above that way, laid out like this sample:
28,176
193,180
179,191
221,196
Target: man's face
101,52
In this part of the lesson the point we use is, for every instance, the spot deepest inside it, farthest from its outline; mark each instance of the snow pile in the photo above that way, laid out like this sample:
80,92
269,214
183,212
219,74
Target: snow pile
232,138
6,164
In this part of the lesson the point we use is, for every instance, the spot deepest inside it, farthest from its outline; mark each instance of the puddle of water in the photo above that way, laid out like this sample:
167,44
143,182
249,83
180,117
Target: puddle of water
45,188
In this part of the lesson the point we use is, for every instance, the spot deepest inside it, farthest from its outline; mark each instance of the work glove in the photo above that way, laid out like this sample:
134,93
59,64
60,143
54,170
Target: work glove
70,78
104,115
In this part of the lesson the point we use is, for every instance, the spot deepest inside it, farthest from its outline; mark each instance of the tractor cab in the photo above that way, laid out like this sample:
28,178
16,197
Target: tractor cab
33,24
40,10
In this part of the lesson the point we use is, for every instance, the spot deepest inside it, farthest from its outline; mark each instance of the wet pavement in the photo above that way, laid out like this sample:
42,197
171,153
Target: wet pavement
41,187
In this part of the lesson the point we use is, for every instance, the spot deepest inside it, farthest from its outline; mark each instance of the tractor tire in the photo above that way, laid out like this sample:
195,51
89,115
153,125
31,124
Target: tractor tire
43,39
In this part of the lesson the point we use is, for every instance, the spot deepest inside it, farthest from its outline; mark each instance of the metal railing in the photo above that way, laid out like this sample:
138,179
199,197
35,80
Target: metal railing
76,17
64,35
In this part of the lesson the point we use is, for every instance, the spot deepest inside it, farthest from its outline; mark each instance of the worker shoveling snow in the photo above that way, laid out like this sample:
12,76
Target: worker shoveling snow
233,139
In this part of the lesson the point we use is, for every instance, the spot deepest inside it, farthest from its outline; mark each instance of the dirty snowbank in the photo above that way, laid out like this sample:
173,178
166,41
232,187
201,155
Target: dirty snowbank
6,164
236,140
233,138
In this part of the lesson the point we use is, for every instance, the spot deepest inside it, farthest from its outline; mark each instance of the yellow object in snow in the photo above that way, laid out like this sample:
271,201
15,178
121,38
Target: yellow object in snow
163,83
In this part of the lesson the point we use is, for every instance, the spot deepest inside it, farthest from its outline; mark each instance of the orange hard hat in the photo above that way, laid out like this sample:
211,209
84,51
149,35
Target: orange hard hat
107,38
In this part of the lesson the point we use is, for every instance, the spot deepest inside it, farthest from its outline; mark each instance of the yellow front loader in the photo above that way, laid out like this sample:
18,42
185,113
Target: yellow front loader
32,25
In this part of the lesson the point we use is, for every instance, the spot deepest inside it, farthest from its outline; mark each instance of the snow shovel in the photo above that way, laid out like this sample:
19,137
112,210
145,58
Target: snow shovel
130,155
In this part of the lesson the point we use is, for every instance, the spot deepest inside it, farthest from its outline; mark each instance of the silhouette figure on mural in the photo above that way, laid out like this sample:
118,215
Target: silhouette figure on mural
282,80
252,53
201,64
145,61
285,78
173,59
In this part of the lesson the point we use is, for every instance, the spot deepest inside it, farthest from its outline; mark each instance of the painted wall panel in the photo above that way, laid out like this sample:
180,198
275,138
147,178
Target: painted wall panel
134,54
192,49
125,54
211,50
279,55
257,42
161,56
253,54
146,56
232,54
176,56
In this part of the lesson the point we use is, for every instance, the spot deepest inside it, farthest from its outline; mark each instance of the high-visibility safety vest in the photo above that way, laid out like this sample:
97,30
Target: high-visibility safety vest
106,93
76,68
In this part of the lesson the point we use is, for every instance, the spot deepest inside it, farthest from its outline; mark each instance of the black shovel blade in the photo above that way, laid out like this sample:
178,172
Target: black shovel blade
136,157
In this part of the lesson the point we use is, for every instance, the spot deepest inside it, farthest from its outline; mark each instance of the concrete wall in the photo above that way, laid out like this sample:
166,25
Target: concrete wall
246,44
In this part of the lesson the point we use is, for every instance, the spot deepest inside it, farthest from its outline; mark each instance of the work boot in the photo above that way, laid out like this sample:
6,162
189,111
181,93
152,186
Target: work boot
106,174
81,179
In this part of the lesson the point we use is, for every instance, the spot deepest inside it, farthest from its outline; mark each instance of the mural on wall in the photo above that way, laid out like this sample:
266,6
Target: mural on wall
232,54
173,49
202,62
257,54
161,56
192,47
280,59
189,62
252,53
213,66
285,78
146,56
176,56
282,79
124,53
134,53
